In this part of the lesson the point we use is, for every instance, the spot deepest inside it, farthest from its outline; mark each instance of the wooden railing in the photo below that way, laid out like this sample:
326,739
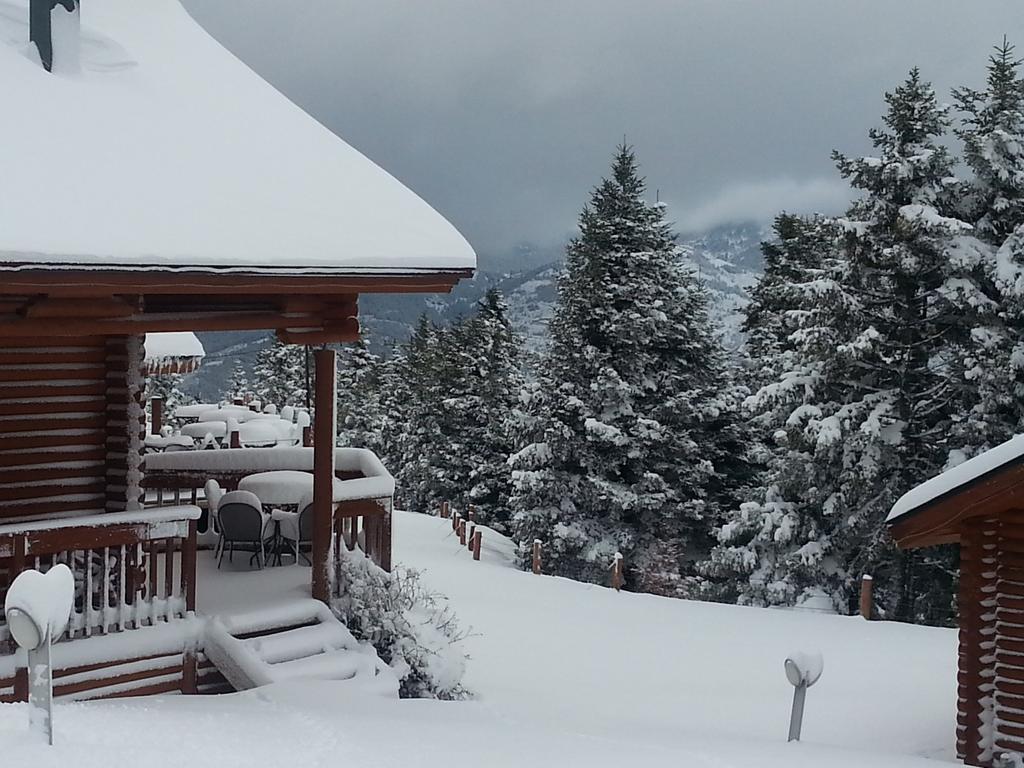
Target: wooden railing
132,569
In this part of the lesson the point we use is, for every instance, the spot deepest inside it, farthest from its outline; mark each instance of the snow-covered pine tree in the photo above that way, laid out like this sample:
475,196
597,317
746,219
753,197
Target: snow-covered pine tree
774,548
992,131
169,387
475,434
868,406
363,417
238,383
616,456
416,405
279,376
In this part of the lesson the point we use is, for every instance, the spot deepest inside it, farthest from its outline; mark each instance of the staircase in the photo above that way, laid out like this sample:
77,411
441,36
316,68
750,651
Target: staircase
295,640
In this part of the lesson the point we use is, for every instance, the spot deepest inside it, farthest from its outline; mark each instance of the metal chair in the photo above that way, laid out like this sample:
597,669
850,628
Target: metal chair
244,526
295,530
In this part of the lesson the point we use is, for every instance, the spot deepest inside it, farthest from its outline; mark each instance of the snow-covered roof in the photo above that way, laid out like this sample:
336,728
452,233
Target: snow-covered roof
962,474
165,151
161,346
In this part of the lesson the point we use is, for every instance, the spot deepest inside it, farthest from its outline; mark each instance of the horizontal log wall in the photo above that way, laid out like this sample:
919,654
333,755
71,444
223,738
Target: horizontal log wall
53,422
1008,733
977,598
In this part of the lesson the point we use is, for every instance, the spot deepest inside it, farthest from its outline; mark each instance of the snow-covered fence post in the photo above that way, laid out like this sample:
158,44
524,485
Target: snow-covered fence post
462,532
472,533
455,521
234,435
477,536
238,401
536,556
156,410
446,511
867,585
617,580
471,513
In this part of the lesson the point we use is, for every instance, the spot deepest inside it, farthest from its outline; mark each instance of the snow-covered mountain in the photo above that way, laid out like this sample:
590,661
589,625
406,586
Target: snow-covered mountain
728,260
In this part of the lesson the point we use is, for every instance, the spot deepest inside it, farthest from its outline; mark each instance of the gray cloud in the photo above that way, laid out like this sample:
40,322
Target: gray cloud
504,113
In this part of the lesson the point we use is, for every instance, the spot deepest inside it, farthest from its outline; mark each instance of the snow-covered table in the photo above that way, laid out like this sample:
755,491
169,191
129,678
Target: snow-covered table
282,486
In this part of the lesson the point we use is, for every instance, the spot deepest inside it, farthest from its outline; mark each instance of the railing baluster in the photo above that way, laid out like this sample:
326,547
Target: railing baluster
105,604
87,604
123,572
138,600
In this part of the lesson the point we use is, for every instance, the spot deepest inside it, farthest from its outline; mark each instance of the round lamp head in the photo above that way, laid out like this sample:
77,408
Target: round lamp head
24,629
794,674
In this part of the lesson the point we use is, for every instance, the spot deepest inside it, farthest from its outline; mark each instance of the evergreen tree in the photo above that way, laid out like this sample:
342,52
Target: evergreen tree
476,437
867,405
992,132
279,376
363,418
617,456
238,384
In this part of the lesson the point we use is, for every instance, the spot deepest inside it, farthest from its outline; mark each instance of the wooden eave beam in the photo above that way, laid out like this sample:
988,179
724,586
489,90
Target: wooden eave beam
940,521
155,323
85,283
47,307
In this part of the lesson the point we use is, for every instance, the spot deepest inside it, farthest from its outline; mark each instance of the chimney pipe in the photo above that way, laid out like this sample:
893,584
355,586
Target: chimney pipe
40,32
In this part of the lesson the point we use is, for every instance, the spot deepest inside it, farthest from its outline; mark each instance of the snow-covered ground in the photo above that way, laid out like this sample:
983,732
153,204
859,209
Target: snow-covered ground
566,674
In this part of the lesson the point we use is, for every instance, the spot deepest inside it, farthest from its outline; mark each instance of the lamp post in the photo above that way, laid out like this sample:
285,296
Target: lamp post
38,607
802,671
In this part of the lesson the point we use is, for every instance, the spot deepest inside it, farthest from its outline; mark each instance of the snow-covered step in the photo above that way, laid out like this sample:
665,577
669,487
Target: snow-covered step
290,641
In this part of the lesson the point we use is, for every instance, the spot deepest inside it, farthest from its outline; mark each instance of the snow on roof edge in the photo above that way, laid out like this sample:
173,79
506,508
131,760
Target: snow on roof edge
955,478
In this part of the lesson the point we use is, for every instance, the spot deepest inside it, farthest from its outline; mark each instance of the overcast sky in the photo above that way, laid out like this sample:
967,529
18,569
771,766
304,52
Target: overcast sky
504,113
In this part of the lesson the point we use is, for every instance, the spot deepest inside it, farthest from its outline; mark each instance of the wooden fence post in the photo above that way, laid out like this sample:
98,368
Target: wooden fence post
455,521
472,513
156,409
472,533
462,532
446,510
477,536
617,572
536,556
867,585
236,439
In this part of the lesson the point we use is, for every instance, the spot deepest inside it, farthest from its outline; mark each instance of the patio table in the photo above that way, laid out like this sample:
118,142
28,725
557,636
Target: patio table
281,486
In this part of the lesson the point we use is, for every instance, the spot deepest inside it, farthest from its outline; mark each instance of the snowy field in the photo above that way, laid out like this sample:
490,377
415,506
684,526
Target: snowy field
566,674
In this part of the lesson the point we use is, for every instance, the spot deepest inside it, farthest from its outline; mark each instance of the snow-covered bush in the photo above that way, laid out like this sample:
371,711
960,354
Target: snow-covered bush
412,628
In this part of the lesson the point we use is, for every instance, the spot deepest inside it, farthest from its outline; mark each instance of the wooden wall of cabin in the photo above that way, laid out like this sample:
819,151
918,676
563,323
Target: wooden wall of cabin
990,680
65,406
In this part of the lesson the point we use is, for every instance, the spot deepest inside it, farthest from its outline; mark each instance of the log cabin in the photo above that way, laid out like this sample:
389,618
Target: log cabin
153,183
979,505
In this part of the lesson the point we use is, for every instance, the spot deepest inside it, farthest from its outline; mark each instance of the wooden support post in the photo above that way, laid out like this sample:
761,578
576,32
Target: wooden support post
446,511
156,409
471,512
472,533
21,684
455,521
235,439
536,556
477,537
866,602
617,579
324,396
462,532
385,538
307,437
189,673
188,565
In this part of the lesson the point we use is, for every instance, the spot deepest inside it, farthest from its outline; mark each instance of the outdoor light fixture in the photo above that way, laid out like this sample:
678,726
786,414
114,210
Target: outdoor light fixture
38,607
802,671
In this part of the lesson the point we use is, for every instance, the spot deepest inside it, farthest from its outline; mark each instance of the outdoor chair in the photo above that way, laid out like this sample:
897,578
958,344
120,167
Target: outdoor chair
295,530
243,526
213,493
